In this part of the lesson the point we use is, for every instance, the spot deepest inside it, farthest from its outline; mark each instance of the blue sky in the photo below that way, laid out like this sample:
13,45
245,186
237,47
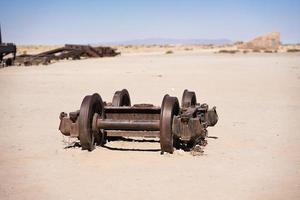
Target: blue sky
91,21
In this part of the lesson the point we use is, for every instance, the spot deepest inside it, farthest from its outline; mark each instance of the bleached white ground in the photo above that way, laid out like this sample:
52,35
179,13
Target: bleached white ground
256,155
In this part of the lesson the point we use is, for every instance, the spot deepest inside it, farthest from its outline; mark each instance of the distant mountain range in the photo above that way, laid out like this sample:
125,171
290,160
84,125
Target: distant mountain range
163,41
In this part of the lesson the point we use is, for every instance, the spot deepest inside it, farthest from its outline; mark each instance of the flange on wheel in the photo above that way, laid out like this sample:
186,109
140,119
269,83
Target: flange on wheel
188,99
90,105
121,98
169,108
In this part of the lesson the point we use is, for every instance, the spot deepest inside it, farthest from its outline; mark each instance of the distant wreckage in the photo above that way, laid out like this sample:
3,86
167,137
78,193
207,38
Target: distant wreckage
5,50
8,53
69,51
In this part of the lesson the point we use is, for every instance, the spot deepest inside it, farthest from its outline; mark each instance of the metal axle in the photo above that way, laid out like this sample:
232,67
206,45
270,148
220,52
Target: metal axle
128,125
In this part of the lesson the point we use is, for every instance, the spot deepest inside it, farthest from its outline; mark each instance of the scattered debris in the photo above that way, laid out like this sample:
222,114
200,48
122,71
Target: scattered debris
197,151
69,51
182,127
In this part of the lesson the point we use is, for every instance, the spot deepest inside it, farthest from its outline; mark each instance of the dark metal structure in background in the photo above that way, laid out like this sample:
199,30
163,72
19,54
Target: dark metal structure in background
69,51
7,49
177,126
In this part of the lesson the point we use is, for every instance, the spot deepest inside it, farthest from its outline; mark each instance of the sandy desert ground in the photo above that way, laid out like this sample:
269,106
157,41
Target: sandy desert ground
155,48
256,155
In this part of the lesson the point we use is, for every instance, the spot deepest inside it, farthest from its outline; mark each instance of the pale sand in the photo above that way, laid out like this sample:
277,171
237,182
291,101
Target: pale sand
256,155
155,48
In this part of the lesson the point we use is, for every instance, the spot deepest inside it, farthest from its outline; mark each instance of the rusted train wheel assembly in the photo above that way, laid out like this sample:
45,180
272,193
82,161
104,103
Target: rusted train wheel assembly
97,120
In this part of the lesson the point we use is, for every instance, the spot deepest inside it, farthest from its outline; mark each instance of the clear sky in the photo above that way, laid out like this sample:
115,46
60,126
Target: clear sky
91,21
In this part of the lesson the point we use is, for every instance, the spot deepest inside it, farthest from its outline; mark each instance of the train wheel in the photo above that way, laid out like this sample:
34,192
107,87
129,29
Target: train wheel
188,99
169,108
90,105
121,98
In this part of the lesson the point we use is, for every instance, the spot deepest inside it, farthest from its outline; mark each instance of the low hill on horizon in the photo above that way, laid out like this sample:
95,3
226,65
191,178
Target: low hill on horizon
164,41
